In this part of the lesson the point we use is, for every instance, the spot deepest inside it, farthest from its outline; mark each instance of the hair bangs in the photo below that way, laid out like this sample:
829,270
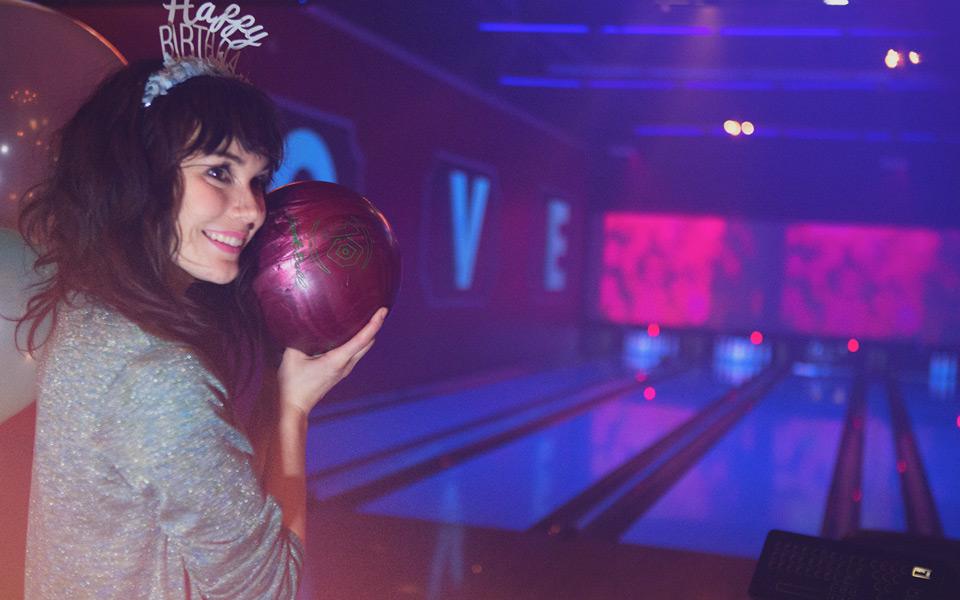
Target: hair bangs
223,110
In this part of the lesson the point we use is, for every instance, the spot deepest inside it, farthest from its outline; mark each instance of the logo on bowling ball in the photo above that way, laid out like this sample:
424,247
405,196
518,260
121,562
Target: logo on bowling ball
345,244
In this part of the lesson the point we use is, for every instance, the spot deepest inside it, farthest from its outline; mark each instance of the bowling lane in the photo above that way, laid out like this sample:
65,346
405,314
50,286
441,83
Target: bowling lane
936,428
882,506
334,442
333,410
514,486
772,470
369,468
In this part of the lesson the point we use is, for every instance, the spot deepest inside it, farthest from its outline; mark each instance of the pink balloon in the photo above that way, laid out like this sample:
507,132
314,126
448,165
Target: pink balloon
49,64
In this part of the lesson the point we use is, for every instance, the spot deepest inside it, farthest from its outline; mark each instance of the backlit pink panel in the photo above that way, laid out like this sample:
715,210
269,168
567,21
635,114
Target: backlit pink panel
867,281
943,293
660,268
873,282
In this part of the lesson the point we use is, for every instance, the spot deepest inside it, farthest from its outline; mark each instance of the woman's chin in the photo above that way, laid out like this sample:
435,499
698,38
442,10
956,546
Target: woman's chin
220,275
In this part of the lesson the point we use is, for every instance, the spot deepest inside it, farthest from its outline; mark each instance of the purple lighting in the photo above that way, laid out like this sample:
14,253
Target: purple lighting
820,134
630,84
568,28
668,131
547,82
922,137
795,86
815,32
656,30
894,33
781,31
728,85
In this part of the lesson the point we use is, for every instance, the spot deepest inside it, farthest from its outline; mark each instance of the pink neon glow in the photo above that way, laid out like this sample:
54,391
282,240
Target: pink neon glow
649,393
868,282
853,345
756,338
659,268
844,279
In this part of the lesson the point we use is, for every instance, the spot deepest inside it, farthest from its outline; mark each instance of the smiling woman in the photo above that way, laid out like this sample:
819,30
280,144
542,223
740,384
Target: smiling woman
145,483
221,209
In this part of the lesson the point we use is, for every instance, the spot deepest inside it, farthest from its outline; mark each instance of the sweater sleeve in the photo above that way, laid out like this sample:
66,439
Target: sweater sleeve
170,438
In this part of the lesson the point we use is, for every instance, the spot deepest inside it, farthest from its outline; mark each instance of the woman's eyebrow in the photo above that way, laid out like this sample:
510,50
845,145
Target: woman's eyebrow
231,156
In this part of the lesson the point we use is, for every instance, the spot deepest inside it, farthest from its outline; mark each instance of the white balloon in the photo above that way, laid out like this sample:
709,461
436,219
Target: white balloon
17,369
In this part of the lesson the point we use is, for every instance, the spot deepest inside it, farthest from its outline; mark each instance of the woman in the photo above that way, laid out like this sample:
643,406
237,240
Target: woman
143,482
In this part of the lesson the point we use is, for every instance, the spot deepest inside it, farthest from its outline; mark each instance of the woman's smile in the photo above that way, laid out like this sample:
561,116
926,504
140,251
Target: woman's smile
221,208
230,242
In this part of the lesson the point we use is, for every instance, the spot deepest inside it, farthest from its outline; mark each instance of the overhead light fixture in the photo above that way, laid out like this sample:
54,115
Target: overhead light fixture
495,27
893,59
836,2
732,127
747,128
914,57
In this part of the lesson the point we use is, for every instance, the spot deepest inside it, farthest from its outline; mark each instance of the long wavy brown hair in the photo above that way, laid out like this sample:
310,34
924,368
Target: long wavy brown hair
103,222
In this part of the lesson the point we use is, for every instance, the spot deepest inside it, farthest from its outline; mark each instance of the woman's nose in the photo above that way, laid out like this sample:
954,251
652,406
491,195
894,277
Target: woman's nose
249,206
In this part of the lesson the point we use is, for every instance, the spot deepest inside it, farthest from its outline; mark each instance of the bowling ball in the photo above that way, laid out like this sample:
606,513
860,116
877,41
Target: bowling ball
326,259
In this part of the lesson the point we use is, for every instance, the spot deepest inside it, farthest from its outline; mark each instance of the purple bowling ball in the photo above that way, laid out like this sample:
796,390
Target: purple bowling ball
326,260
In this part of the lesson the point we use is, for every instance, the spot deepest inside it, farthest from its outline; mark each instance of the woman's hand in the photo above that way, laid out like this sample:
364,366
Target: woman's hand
303,380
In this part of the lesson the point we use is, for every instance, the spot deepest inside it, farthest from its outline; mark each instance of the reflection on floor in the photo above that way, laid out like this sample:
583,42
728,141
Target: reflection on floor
618,479
367,557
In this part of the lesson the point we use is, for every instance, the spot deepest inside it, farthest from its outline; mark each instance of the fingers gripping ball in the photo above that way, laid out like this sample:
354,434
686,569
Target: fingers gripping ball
326,260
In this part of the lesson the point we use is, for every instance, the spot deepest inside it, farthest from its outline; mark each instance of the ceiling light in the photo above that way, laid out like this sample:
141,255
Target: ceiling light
893,59
732,127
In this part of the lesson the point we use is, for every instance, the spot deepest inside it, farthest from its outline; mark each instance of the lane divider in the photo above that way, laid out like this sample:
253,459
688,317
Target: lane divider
842,513
619,516
565,519
435,436
373,402
923,518
596,395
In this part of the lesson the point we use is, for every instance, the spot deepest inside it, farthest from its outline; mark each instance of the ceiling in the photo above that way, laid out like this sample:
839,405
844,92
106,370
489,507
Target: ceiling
613,73
616,73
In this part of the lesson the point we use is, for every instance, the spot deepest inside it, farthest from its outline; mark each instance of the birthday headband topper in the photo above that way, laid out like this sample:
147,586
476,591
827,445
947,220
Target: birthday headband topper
205,35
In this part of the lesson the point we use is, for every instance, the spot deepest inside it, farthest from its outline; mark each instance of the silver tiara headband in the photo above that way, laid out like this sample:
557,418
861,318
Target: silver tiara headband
200,42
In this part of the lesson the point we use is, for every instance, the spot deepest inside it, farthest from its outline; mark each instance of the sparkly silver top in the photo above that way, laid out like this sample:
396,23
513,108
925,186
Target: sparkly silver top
141,486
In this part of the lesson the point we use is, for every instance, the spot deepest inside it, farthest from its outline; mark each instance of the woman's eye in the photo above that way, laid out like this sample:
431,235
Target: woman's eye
219,173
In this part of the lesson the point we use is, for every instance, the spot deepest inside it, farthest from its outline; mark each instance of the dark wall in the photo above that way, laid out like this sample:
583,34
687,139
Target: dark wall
825,180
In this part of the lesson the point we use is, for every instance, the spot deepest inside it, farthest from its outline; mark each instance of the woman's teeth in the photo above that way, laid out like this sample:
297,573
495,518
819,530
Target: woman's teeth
228,240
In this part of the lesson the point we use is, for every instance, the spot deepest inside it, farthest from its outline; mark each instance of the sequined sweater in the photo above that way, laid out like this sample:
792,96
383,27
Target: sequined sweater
142,487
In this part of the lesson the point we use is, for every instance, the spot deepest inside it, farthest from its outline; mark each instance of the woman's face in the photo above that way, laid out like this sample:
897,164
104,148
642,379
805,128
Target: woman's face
221,208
